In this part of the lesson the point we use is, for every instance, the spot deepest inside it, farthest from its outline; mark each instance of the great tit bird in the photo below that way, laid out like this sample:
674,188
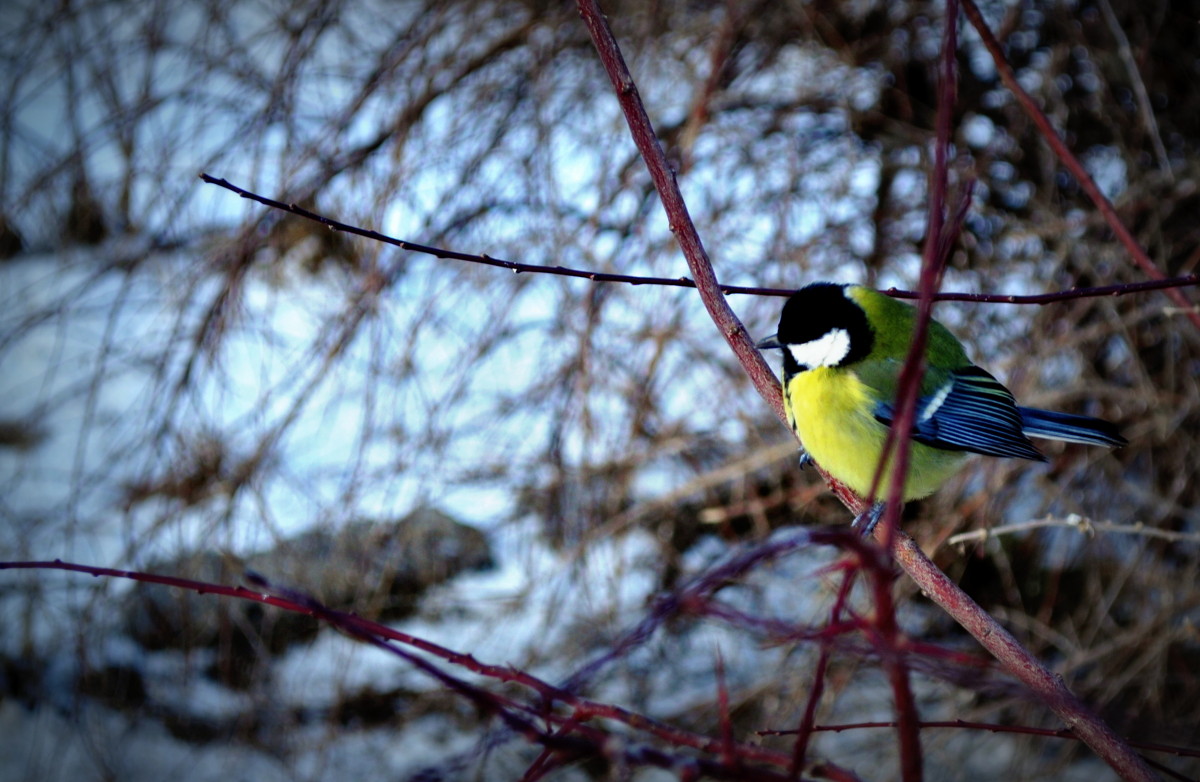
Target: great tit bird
843,349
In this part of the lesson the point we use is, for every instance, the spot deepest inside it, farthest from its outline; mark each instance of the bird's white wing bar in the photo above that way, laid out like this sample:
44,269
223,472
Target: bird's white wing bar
934,401
971,412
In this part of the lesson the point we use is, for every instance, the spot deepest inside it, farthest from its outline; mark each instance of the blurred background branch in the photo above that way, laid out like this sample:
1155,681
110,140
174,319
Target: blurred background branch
190,383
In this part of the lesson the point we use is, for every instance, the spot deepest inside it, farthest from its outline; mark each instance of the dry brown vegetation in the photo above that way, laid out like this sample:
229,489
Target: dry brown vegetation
180,367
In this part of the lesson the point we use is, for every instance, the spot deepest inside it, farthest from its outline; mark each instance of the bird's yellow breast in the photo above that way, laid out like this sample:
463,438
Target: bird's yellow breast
832,412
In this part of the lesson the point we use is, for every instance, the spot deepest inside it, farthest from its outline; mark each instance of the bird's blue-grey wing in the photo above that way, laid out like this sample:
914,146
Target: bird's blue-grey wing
969,411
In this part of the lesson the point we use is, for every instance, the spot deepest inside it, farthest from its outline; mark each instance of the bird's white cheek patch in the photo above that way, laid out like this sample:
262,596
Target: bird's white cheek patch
825,351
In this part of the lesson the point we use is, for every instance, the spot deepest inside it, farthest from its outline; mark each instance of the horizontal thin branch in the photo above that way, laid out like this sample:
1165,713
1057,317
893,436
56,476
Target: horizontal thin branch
487,260
1098,292
684,282
1075,521
1060,733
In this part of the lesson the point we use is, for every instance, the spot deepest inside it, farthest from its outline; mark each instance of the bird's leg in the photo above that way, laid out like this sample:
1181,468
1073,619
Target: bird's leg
805,459
865,522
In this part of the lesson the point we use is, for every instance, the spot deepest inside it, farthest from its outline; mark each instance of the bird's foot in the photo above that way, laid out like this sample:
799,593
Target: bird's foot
865,522
805,459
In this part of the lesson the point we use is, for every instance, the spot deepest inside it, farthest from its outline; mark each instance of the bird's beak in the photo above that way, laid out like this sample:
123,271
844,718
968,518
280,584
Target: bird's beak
770,343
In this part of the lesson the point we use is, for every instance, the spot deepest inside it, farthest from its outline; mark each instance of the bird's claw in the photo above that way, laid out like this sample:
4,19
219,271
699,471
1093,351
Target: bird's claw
865,522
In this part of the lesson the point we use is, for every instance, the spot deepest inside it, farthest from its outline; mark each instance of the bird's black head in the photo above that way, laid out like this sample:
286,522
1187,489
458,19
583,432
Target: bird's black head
821,327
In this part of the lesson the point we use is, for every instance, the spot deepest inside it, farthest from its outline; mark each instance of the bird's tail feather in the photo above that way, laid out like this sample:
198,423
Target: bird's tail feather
1069,428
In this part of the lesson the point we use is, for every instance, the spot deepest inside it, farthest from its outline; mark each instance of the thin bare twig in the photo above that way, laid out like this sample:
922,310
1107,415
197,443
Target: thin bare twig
1069,161
808,720
516,267
1125,52
1064,295
1076,522
1185,752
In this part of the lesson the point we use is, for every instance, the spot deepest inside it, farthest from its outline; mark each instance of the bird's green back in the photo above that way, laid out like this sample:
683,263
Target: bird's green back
893,322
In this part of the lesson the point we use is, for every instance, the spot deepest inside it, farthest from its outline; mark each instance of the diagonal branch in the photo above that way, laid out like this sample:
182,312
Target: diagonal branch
1070,162
678,218
1018,660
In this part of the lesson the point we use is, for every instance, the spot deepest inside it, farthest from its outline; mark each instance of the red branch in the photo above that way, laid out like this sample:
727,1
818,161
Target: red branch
939,242
809,719
678,219
515,714
583,709
1019,661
